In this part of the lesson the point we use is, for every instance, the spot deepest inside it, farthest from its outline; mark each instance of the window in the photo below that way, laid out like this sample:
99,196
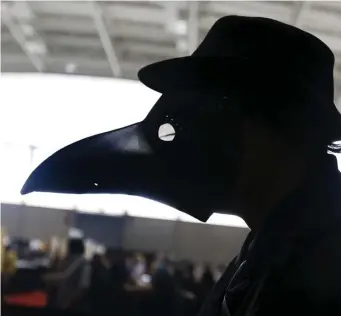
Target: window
15,168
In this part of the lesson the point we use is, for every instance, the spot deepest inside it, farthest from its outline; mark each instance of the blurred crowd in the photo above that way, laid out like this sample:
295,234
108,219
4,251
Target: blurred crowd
115,282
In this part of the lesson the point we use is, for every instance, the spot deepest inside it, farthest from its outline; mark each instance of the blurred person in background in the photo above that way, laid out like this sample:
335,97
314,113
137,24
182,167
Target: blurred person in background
9,264
163,287
119,278
218,271
206,282
70,281
188,290
100,290
55,261
187,281
9,260
139,267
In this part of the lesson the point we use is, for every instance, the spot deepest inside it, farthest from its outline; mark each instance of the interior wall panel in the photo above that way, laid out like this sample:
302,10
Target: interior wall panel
9,218
207,243
148,234
181,240
107,230
35,222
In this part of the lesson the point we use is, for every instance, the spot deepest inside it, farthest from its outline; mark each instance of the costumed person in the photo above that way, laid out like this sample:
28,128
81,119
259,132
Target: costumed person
255,123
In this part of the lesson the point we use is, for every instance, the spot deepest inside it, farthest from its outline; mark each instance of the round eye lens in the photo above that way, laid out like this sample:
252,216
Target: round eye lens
166,132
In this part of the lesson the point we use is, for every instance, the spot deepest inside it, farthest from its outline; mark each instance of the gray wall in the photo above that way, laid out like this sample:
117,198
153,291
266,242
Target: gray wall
34,222
148,234
107,230
183,240
202,242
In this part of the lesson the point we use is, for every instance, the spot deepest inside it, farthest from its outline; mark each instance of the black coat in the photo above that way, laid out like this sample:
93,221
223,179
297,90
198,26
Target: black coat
293,265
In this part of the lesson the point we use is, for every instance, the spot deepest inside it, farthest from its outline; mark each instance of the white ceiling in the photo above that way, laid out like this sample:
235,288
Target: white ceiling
117,38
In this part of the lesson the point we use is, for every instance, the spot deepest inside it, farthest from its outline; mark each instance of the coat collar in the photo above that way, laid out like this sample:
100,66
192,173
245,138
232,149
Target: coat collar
308,212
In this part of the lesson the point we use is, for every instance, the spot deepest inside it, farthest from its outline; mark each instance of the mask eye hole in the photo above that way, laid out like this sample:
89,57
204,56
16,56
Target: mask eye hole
166,132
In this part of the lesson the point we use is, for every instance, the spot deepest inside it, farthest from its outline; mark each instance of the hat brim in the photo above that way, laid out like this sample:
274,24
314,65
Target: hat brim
185,73
121,162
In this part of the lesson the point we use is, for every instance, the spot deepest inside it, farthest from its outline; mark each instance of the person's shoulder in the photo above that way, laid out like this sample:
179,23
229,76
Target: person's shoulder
325,261
317,273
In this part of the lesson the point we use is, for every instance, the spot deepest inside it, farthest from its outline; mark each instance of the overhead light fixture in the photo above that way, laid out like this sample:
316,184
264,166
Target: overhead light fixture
182,45
70,68
180,27
36,47
28,29
75,233
177,27
21,10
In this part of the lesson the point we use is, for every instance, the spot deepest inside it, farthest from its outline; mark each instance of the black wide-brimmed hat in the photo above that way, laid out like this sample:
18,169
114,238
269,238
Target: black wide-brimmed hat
237,53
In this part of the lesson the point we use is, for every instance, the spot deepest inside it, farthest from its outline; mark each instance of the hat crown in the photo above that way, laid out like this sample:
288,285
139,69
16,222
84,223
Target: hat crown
257,37
272,45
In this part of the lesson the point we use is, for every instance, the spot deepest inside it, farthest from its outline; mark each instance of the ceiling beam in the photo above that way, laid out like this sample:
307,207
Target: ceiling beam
84,27
193,26
18,62
99,20
302,8
116,10
18,34
66,43
153,50
69,41
324,20
275,10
